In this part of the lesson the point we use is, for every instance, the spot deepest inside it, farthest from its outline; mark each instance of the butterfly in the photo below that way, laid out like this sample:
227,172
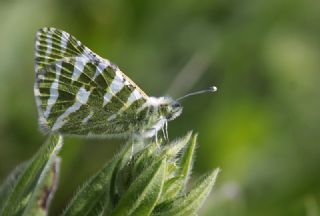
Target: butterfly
77,92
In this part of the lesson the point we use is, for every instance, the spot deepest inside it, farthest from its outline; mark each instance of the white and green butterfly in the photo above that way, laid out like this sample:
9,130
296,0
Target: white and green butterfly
78,92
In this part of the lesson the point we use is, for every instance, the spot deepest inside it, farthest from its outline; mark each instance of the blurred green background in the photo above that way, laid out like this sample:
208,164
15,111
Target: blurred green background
261,127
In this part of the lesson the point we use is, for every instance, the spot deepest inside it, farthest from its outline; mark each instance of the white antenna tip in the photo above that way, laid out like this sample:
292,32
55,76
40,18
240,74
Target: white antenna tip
211,89
214,88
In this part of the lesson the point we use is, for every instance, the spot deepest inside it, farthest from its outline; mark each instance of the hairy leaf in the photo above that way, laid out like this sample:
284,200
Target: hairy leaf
27,183
144,192
46,186
7,186
186,160
190,203
94,196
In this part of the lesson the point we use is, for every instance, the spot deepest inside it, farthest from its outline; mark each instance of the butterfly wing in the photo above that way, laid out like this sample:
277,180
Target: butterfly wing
78,92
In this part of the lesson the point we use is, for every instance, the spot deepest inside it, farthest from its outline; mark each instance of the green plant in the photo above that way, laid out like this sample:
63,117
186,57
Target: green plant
144,178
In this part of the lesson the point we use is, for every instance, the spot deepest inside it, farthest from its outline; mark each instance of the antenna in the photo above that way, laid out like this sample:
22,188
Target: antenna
211,89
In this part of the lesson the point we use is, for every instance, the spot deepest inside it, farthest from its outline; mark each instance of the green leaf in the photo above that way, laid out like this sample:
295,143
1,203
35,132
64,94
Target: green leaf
9,183
118,177
172,150
171,188
145,178
190,203
94,196
142,158
27,183
179,176
41,197
139,163
91,198
144,192
186,160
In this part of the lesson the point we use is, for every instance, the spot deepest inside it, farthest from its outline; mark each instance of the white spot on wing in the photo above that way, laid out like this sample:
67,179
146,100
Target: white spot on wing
41,77
101,66
36,91
42,121
37,47
106,98
117,82
135,95
119,75
113,116
64,41
49,43
53,91
38,101
83,95
86,119
36,67
82,98
78,67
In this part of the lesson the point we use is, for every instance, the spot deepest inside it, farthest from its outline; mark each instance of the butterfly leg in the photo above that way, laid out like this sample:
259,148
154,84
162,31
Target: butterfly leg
164,133
166,130
156,137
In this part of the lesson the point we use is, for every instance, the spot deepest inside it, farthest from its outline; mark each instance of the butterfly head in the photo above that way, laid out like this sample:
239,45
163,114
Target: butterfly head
166,107
172,110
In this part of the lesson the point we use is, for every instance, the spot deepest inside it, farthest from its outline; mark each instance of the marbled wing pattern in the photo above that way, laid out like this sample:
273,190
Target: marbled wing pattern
78,92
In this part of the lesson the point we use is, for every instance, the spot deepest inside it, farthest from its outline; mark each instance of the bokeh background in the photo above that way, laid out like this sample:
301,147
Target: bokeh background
261,127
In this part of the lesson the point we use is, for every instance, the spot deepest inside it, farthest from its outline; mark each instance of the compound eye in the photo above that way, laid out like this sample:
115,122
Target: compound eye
175,105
